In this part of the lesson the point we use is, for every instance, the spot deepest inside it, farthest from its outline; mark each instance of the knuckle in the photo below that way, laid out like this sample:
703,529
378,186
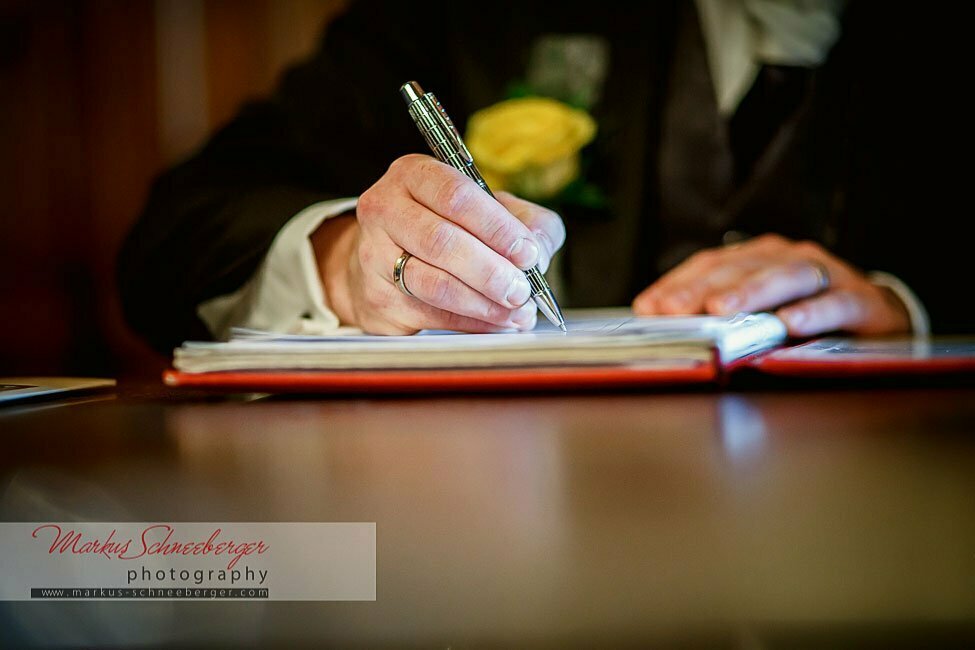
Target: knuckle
750,290
426,164
848,300
441,240
396,166
501,233
497,281
454,195
405,163
492,312
396,169
702,257
771,239
769,242
439,289
808,247
456,322
413,159
794,268
368,204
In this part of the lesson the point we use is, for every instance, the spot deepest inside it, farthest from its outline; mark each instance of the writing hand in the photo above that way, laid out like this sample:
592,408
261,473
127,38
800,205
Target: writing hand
469,252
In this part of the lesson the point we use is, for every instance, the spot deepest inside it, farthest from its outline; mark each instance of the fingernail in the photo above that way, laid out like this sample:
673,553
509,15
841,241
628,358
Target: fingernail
519,291
523,253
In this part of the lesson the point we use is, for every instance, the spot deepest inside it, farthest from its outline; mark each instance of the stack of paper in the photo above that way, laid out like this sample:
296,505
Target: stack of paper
592,340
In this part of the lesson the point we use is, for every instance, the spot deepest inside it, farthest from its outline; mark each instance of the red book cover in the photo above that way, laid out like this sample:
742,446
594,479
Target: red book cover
862,357
451,380
599,352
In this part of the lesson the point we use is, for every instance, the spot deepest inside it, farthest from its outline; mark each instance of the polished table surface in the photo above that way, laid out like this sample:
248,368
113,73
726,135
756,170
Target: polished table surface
761,518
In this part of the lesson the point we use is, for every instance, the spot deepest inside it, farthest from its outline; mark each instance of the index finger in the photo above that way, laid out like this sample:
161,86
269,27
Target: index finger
454,196
769,288
839,309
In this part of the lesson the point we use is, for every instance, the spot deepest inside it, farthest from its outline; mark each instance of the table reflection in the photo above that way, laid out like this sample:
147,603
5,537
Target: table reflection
507,518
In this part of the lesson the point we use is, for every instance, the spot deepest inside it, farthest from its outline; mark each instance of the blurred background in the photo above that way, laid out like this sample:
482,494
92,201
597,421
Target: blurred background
97,97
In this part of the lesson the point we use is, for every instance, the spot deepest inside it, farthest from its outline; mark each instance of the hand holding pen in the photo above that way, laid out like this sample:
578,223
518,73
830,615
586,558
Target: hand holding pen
470,253
444,140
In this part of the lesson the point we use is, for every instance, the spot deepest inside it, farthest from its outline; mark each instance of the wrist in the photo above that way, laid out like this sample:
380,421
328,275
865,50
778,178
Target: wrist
333,242
899,321
920,324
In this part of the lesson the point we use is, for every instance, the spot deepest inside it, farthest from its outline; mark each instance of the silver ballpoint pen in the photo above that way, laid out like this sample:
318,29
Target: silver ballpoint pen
447,145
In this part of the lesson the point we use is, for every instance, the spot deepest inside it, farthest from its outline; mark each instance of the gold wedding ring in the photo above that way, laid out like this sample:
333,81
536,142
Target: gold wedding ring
822,275
398,270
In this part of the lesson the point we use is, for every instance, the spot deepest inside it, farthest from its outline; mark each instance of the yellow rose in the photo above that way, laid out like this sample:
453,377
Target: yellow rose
529,146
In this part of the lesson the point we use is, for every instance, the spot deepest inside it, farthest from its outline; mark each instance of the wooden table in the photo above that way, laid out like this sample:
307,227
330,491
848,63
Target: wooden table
742,519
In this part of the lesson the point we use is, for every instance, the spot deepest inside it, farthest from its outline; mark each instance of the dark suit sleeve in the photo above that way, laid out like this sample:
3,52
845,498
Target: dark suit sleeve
331,129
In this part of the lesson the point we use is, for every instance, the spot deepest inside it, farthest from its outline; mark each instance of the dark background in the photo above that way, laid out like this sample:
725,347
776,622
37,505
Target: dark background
96,98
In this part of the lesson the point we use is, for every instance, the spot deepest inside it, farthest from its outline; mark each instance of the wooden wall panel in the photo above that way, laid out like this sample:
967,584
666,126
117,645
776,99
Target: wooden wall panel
97,98
122,149
249,42
238,65
41,175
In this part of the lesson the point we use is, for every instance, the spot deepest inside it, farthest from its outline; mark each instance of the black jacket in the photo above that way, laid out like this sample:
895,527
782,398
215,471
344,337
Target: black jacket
870,166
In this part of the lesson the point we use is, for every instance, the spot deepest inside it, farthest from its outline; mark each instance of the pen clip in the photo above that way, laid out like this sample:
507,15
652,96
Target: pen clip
448,126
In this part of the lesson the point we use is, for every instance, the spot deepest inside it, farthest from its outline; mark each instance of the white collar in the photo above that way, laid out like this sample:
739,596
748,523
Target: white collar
741,35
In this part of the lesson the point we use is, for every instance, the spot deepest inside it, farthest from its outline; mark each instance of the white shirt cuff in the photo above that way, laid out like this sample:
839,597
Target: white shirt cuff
285,294
920,324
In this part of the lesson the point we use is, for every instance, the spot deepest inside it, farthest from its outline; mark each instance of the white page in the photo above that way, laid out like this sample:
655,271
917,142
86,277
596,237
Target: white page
582,331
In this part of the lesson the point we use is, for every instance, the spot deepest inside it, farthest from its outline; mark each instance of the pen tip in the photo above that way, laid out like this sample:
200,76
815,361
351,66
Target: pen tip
562,327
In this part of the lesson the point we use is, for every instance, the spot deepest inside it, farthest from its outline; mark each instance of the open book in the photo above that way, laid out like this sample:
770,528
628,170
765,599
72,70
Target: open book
601,348
590,341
